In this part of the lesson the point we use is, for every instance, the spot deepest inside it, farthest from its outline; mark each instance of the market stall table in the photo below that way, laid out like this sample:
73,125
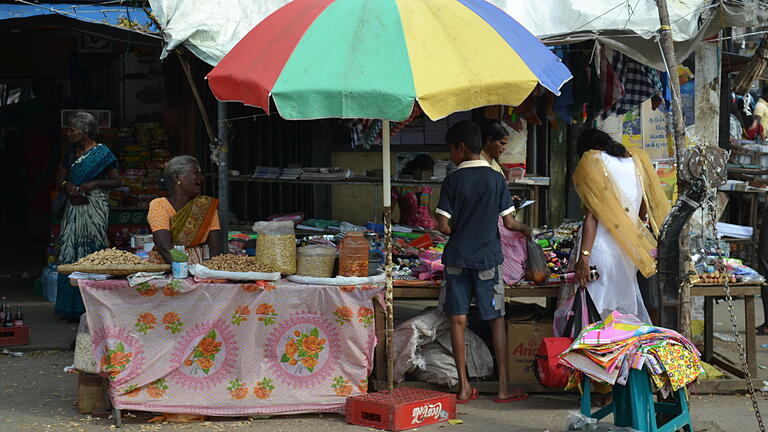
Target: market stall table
709,291
549,291
176,346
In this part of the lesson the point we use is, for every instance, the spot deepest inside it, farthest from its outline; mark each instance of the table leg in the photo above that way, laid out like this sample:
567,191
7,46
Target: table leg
381,348
117,417
709,328
749,322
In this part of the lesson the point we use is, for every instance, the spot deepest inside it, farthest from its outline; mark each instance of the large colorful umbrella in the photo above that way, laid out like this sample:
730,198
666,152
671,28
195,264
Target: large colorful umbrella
375,58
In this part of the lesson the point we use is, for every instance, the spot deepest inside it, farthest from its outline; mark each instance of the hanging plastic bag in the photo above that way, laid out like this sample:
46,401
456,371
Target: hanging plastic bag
536,269
514,249
562,314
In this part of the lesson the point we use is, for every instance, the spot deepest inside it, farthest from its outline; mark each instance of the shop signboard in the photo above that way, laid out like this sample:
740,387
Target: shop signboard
654,131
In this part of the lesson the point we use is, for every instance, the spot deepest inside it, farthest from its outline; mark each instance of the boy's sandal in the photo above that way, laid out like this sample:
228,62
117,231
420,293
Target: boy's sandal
519,395
475,394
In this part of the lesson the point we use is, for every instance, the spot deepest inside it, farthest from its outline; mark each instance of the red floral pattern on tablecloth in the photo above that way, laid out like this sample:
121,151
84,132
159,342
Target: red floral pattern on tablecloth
303,350
194,359
206,355
120,354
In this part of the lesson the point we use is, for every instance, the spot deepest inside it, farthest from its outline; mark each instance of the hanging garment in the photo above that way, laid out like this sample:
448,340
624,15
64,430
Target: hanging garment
414,206
611,88
637,82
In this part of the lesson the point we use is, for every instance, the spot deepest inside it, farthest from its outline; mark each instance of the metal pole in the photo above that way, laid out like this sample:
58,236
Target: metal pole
222,159
387,199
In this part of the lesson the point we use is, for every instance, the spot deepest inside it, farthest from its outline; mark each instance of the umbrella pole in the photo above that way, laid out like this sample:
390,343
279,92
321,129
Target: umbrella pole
389,300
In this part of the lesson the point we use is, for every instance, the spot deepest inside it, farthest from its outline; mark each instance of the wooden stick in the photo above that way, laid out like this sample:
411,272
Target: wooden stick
198,99
387,199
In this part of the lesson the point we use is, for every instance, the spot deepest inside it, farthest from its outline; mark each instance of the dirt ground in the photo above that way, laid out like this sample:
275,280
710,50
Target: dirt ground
38,396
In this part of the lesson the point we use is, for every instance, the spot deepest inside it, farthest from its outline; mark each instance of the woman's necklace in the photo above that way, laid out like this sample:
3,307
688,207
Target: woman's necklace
88,145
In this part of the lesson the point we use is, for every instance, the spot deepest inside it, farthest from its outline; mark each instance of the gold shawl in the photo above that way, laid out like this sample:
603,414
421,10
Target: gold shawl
599,195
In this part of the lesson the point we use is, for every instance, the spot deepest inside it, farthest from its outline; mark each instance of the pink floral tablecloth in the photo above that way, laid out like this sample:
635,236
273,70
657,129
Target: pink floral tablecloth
176,346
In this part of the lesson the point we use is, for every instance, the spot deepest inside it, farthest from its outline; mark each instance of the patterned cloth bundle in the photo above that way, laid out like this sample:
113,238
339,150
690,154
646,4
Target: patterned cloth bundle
605,351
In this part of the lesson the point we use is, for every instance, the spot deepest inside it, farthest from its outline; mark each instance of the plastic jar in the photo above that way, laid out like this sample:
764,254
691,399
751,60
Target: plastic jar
353,255
316,261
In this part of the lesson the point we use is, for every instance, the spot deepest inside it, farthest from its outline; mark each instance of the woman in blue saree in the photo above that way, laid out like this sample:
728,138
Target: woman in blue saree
87,171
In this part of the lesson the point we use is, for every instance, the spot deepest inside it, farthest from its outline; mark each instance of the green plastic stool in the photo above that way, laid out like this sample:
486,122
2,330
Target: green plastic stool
634,406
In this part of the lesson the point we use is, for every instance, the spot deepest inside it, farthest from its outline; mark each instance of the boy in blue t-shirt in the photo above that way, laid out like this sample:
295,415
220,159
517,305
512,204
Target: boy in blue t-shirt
472,199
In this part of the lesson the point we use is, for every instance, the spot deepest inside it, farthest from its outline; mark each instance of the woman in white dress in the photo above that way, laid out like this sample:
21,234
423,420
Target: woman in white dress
624,208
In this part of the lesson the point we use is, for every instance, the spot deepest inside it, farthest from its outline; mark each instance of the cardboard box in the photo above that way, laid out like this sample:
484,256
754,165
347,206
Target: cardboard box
91,396
523,339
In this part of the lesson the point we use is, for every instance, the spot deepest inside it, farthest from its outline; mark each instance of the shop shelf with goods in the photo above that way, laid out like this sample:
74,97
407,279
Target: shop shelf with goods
532,185
747,190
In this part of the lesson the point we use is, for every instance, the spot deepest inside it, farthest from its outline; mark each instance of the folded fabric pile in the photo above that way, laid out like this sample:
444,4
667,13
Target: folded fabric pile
606,351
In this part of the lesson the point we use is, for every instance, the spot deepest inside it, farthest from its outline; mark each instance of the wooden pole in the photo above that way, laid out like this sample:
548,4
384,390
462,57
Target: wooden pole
389,298
753,69
188,72
670,60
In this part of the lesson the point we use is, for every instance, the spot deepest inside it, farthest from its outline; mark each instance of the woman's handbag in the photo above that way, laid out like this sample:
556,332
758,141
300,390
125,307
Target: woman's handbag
547,368
78,199
60,202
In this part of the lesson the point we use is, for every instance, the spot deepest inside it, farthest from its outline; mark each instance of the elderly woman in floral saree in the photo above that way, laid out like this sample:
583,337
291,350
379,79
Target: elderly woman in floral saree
85,174
185,218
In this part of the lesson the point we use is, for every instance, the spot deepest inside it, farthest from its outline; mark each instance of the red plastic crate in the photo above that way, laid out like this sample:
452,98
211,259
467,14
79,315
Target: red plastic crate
12,336
400,409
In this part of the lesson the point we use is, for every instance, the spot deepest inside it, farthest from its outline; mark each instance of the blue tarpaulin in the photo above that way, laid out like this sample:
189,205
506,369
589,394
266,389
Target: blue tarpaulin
123,17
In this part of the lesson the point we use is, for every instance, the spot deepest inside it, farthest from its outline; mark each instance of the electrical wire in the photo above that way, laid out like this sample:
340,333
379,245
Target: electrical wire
90,20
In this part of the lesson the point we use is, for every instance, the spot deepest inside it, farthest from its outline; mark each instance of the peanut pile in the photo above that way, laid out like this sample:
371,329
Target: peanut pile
110,256
234,263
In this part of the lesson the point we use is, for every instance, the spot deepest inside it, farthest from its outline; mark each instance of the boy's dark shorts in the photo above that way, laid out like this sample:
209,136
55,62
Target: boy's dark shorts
462,285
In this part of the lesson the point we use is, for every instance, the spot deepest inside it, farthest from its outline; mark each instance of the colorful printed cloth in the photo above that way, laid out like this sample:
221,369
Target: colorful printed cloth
176,346
607,350
681,365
